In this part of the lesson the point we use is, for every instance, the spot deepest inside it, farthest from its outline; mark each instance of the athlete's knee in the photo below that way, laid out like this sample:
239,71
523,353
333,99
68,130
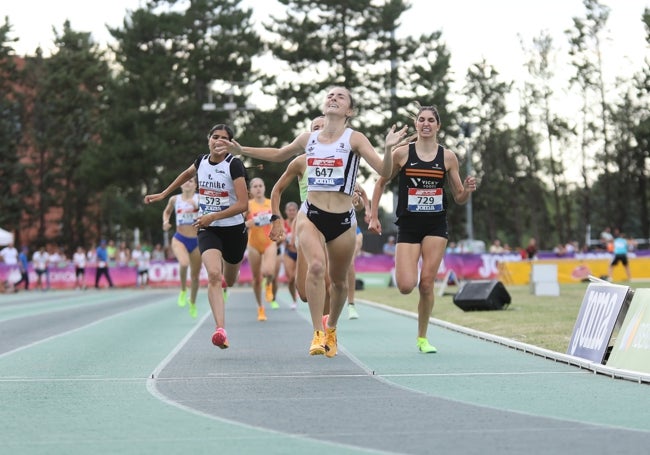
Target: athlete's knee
316,269
405,286
426,286
215,278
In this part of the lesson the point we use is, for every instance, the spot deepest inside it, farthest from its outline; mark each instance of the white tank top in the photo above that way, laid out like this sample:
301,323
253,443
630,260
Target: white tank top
217,190
186,211
331,167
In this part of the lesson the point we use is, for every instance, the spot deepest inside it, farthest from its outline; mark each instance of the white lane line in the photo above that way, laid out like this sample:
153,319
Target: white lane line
153,390
76,329
297,375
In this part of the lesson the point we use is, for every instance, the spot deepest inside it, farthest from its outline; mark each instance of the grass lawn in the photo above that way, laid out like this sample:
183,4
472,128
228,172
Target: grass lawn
541,321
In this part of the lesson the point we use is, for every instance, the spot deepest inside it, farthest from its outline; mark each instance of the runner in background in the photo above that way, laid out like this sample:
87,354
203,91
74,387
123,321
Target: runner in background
360,203
262,251
290,251
185,243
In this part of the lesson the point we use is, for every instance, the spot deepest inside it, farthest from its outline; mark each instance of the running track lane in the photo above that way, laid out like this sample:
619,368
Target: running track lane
266,393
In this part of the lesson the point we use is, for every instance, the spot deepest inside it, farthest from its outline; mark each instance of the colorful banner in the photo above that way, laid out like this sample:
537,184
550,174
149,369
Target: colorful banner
573,270
509,268
632,347
599,313
161,273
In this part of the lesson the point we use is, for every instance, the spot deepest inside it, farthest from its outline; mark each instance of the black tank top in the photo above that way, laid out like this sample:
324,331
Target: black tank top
421,186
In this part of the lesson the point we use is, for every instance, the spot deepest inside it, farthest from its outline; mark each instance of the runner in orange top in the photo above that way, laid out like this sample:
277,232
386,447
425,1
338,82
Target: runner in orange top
262,251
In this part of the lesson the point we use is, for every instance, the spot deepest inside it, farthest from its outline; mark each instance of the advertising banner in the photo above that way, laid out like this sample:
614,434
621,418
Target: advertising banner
507,267
599,313
632,347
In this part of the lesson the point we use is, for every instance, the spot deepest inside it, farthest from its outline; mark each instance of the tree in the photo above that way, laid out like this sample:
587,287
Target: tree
537,108
13,179
167,55
66,127
594,123
319,44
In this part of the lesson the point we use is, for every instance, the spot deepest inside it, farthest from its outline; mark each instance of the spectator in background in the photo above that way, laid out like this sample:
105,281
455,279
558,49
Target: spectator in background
9,254
142,258
102,265
79,261
560,250
111,250
55,260
158,254
123,255
496,247
91,255
571,247
606,239
531,249
40,259
23,264
389,246
451,248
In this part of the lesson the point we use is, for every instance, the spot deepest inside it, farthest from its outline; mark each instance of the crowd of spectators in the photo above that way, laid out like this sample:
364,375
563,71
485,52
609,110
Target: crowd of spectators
52,256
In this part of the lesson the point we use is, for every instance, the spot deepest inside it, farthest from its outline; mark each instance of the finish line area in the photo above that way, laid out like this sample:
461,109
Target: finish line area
128,371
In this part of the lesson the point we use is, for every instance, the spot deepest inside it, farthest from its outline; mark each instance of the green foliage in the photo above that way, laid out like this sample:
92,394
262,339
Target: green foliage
167,60
94,131
66,129
13,180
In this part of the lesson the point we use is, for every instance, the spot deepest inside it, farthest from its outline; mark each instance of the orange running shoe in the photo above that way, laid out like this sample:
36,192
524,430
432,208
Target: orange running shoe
330,342
261,315
317,343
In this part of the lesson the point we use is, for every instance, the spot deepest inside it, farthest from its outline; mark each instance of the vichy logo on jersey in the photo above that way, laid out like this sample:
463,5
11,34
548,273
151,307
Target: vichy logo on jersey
419,182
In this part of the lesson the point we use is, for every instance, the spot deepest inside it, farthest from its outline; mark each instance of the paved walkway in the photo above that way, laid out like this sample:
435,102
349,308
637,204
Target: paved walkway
129,372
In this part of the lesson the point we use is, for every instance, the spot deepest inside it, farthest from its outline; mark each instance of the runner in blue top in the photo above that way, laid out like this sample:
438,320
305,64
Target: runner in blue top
620,254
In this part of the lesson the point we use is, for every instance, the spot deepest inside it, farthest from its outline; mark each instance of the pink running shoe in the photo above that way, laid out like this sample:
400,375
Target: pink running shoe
220,339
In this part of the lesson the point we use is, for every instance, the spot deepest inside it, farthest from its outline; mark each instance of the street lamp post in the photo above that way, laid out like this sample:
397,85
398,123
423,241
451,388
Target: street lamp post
468,128
231,106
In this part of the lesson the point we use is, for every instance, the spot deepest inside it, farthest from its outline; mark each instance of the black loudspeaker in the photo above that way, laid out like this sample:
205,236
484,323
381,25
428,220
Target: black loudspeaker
482,295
